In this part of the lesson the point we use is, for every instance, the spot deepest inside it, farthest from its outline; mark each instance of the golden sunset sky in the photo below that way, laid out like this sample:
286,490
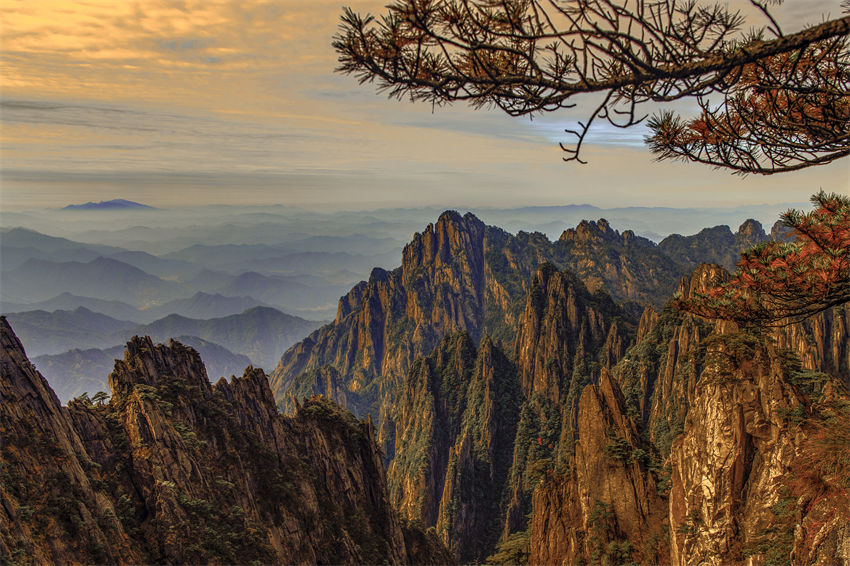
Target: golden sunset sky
181,103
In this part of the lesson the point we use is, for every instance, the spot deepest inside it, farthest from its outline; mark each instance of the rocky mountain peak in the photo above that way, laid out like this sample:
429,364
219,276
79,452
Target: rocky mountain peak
780,232
10,343
752,229
588,230
21,381
146,363
453,235
749,234
705,277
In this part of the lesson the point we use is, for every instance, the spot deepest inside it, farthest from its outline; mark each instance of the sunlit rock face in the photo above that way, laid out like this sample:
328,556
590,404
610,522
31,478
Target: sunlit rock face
176,470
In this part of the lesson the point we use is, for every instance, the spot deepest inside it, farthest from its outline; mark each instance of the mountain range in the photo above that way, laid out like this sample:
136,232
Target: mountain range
525,400
540,402
75,348
45,272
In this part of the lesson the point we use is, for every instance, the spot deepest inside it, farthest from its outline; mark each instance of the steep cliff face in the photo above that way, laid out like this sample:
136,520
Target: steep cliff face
605,508
456,418
822,342
189,472
704,445
561,324
53,505
566,336
735,490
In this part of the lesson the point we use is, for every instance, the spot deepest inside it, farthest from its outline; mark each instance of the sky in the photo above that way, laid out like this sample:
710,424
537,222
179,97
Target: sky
179,103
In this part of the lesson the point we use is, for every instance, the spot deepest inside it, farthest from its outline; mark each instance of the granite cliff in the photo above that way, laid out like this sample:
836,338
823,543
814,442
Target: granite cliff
174,469
691,450
540,402
534,402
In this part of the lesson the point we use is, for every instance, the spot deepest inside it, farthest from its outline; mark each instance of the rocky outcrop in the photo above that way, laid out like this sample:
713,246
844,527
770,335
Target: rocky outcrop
749,234
611,511
562,322
821,342
174,470
716,245
456,418
780,232
53,505
734,495
628,267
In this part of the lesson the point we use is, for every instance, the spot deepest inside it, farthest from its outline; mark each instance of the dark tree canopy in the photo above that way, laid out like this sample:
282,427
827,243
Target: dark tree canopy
770,102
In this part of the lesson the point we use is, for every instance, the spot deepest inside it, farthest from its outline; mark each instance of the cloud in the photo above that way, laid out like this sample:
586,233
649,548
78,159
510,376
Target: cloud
236,99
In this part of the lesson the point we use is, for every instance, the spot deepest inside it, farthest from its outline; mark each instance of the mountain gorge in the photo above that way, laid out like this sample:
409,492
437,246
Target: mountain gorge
526,401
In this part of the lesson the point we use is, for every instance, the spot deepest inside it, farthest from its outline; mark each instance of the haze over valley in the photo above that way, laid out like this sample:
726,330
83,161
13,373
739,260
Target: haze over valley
239,283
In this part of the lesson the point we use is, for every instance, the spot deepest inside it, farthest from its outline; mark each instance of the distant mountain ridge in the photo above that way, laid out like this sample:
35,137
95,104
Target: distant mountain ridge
61,330
69,302
107,278
261,333
204,306
114,204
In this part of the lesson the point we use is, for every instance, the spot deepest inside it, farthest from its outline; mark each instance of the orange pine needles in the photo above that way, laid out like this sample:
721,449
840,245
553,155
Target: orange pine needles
780,283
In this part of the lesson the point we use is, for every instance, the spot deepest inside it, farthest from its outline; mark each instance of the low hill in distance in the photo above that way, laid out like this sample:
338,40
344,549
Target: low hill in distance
261,333
104,278
202,306
69,302
54,332
114,204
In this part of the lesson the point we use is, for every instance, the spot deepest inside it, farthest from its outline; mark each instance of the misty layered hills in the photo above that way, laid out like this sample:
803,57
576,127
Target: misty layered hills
164,268
19,245
40,271
199,305
24,238
202,305
68,302
74,346
54,332
261,333
105,278
77,371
